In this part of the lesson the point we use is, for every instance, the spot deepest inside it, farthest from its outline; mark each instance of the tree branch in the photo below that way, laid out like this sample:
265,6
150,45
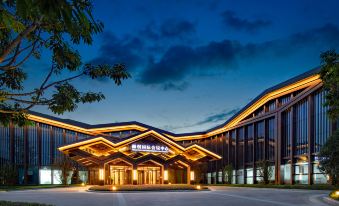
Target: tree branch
17,40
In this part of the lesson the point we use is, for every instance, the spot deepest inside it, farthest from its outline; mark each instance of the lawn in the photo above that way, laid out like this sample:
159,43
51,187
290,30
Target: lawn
145,187
6,203
307,187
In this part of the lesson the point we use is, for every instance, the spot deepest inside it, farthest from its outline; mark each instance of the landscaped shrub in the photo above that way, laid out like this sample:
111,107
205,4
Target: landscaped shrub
7,203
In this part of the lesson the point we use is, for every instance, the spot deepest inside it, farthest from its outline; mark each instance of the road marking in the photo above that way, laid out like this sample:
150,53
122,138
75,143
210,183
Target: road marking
253,199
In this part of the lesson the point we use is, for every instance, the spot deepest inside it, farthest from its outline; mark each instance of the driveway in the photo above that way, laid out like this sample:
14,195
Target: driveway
217,196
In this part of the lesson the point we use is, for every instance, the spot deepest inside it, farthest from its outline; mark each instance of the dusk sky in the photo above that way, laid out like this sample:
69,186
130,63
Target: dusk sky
195,63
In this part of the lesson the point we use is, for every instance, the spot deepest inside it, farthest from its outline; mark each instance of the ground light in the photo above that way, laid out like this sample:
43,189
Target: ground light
337,193
198,187
83,184
114,188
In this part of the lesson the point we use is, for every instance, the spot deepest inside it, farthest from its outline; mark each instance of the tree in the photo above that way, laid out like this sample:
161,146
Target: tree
228,173
65,165
265,171
329,153
329,75
8,174
329,158
32,28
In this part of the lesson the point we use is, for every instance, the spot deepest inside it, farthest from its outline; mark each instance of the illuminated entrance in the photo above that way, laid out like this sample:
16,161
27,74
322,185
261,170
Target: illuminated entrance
146,158
120,175
149,175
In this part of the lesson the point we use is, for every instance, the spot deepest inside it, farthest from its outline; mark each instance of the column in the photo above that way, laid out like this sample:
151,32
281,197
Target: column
310,124
165,174
135,175
101,174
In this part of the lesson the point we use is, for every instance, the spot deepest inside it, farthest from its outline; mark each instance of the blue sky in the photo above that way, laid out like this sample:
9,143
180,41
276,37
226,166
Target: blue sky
195,63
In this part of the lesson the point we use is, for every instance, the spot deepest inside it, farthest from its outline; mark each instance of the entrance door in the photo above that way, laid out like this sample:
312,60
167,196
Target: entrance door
120,175
149,175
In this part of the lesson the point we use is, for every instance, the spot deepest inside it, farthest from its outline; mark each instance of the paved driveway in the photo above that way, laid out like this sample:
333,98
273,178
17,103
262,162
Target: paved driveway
217,196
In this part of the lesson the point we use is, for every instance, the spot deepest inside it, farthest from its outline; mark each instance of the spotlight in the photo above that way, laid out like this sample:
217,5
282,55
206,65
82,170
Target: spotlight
114,188
198,187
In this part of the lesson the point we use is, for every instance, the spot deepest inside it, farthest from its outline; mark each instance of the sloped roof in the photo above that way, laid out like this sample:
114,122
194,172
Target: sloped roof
148,127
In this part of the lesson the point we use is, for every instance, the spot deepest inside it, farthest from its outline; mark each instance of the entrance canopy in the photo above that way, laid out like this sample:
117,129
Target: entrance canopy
98,150
144,151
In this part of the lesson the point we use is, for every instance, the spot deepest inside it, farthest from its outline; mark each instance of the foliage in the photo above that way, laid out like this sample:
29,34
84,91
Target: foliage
330,77
8,174
228,173
75,179
265,171
329,158
7,203
30,29
159,187
334,195
65,165
329,153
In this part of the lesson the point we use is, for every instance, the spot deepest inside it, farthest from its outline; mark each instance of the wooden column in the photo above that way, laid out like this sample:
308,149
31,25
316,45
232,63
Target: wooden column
236,156
277,144
229,148
310,124
254,154
244,153
292,134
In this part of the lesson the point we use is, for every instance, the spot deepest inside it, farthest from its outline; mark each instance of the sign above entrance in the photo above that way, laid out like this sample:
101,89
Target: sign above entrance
139,147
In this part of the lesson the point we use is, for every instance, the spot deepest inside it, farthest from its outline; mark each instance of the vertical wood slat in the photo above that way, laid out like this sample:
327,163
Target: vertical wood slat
39,145
52,147
26,155
12,146
310,124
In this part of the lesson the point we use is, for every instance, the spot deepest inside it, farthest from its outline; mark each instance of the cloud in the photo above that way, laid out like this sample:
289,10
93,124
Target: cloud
217,118
230,19
175,28
120,50
171,86
168,29
216,58
178,61
223,116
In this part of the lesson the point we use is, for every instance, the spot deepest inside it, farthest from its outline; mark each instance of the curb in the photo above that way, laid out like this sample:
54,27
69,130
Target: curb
144,191
330,201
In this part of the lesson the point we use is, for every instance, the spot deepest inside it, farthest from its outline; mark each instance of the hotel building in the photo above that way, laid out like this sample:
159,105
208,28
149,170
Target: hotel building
286,124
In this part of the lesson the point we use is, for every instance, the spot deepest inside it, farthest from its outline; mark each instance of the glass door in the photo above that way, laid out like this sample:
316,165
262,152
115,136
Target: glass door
149,175
120,175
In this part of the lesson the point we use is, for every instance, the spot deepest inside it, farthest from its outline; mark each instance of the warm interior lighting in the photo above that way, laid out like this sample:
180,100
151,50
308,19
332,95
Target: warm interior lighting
135,175
165,175
101,174
114,188
198,187
192,176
